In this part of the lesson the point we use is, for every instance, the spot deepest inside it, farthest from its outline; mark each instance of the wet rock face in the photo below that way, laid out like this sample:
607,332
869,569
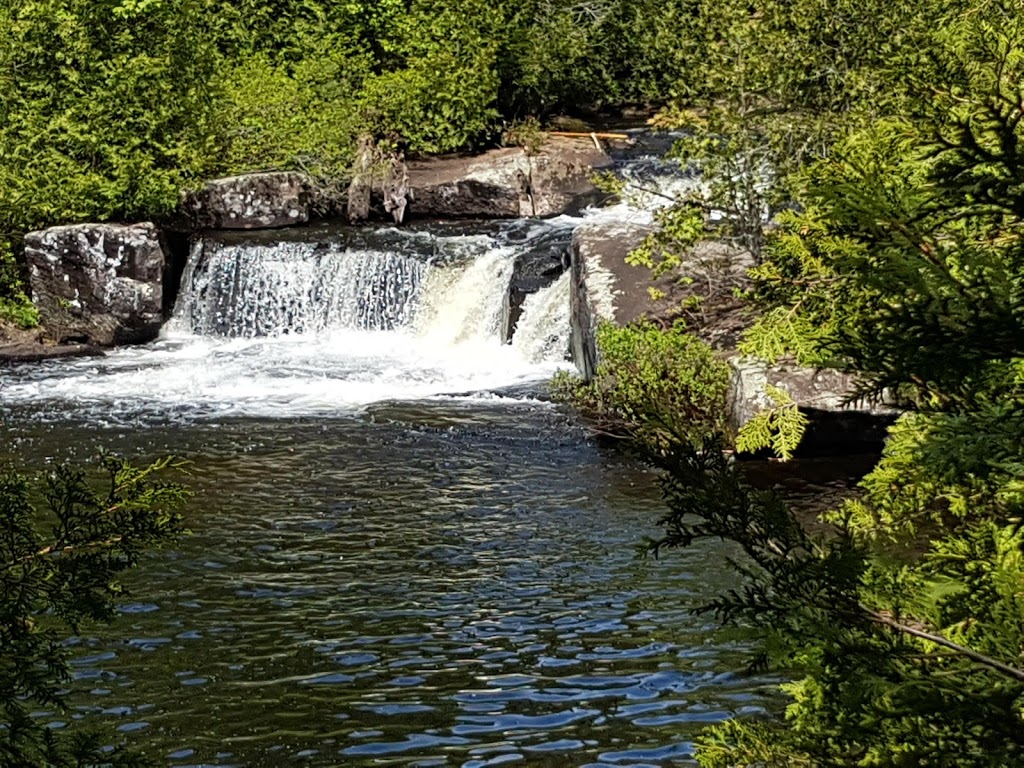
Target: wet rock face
533,271
252,201
98,283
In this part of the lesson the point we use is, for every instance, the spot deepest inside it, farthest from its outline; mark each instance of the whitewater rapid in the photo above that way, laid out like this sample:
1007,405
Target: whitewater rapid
300,322
294,330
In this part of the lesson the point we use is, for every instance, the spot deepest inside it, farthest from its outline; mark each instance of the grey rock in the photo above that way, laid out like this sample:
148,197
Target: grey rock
98,283
603,287
838,423
532,271
253,201
16,354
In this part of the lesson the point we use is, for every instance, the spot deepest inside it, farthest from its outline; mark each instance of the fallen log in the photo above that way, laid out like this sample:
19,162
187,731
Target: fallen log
592,135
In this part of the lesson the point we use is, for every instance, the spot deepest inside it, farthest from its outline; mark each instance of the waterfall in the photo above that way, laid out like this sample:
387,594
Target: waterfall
542,334
327,319
463,305
250,290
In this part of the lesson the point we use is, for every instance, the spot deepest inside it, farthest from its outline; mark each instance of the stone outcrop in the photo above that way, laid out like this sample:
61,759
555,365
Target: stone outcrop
252,201
605,288
506,183
837,424
37,350
97,284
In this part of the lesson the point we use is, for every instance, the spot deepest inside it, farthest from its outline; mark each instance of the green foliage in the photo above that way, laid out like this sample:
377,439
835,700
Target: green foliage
802,300
300,115
526,134
19,311
901,263
60,565
655,386
868,157
105,112
893,665
678,228
444,96
779,428
770,87
105,109
909,254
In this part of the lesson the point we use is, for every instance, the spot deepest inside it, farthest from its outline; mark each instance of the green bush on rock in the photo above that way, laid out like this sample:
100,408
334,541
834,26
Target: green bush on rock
652,385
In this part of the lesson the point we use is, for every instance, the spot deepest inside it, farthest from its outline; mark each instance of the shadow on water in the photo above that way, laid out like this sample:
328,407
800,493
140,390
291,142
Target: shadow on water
436,583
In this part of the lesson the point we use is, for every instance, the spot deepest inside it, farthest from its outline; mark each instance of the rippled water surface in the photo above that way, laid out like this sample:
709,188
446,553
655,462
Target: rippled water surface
398,555
448,582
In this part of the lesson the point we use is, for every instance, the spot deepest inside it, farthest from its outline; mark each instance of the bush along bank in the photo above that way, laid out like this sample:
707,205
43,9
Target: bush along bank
885,238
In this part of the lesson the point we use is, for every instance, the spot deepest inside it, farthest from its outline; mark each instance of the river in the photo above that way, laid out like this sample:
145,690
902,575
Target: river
400,553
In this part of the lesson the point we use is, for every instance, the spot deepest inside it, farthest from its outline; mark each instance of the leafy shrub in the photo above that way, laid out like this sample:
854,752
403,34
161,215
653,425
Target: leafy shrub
105,109
780,427
303,115
525,133
653,385
20,311
443,96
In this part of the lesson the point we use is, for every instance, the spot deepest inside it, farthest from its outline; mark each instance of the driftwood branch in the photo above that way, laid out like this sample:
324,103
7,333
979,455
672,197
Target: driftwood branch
59,550
591,135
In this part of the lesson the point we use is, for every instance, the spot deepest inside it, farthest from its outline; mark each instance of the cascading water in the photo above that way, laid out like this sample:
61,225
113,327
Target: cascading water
543,330
266,290
322,321
463,306
270,326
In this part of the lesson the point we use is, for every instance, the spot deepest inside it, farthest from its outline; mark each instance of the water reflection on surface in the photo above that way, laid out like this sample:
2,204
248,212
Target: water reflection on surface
442,583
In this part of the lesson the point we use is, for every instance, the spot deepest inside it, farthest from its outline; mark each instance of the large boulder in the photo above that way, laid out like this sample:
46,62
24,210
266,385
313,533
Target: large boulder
506,183
98,283
252,201
603,287
838,422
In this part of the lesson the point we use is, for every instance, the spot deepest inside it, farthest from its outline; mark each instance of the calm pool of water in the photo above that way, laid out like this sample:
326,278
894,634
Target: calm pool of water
436,583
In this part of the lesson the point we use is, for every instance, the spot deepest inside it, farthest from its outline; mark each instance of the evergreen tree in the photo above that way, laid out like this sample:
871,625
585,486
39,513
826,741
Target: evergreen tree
62,553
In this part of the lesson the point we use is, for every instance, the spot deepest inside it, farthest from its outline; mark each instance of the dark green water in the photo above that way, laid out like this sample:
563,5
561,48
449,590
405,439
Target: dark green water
442,583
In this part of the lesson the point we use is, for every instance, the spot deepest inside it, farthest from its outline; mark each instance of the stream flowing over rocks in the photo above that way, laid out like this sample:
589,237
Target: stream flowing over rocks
401,552
106,285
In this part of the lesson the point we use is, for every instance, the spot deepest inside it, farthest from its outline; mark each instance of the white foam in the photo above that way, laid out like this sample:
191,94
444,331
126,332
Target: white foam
456,351
296,329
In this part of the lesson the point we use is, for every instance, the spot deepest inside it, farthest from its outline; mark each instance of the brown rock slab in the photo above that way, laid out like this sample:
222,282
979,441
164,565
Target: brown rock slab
36,352
506,183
